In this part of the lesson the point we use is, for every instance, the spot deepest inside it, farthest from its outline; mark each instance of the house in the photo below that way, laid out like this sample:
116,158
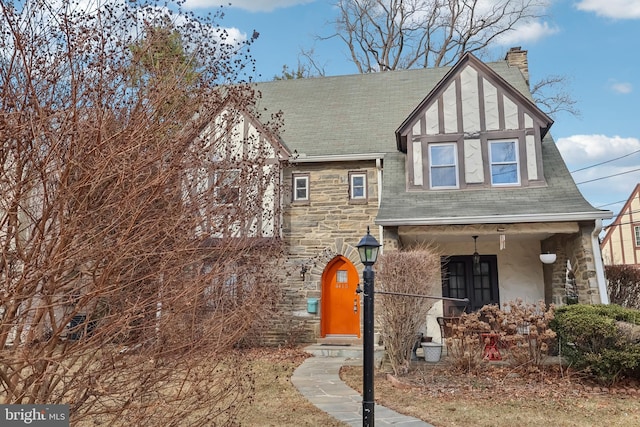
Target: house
621,243
457,156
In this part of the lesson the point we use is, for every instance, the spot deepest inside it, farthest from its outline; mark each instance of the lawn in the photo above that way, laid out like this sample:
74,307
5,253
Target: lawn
497,397
501,397
276,401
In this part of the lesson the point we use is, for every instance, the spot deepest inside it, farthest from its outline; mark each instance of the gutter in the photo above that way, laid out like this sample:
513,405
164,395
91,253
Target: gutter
498,219
303,158
597,260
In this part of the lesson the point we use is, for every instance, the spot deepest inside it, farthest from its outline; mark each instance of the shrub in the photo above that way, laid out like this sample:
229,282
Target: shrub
623,285
524,335
414,271
464,347
591,338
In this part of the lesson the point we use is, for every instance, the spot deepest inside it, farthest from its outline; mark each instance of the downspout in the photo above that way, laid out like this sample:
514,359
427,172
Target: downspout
380,227
599,265
281,201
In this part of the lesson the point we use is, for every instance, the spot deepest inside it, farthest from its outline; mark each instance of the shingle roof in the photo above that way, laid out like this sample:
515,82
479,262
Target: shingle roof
359,114
554,202
353,114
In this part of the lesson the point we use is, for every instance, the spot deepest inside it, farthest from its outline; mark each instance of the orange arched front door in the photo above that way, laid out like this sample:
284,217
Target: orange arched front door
340,314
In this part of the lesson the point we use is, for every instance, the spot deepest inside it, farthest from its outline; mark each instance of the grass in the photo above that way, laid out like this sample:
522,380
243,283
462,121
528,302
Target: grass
276,401
499,397
495,397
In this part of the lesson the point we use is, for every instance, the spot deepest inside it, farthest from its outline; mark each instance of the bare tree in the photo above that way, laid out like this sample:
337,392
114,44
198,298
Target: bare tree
383,35
307,67
551,95
413,271
137,241
399,34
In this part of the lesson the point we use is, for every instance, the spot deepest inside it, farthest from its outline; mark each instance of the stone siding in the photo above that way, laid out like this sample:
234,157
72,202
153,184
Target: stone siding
315,232
575,248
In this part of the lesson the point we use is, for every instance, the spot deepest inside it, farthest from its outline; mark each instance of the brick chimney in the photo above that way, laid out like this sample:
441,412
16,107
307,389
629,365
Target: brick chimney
516,57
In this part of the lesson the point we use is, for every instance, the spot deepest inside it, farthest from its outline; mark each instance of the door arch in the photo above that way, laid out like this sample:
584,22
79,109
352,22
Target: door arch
340,312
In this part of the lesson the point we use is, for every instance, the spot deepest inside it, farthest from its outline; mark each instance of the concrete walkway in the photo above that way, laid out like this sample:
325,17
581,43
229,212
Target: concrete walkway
318,379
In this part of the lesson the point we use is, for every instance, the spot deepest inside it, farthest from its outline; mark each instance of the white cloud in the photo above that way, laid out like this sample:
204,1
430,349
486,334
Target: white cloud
621,87
526,33
589,149
608,182
619,9
250,5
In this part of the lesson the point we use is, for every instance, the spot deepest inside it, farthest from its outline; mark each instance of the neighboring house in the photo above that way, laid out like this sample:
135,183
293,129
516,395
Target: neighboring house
427,156
621,243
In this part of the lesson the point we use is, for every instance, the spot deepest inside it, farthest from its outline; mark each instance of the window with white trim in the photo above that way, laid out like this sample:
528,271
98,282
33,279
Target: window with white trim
226,186
358,185
504,159
443,165
636,230
300,188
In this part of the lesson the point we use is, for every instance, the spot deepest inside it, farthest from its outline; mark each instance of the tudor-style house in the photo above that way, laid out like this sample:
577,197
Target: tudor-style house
460,157
621,243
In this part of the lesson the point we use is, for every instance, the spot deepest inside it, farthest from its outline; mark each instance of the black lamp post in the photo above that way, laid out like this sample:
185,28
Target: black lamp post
368,249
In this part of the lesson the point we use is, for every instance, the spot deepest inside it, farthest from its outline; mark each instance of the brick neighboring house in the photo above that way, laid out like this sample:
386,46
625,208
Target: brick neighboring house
621,243
428,155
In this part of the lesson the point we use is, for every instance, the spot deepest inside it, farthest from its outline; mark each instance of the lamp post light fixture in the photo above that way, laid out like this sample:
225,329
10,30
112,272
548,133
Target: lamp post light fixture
368,250
476,255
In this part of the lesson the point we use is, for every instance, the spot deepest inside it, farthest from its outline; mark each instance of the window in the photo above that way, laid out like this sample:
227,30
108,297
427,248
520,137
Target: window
504,162
300,187
636,230
358,185
443,166
226,186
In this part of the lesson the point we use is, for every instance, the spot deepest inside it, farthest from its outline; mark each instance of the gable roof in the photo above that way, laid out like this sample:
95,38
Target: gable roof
233,101
358,115
469,60
626,209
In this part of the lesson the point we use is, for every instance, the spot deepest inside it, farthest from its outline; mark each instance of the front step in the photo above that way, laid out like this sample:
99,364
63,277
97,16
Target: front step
338,340
345,350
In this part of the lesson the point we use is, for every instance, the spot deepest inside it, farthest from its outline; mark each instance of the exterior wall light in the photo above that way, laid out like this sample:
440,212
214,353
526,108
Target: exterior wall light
548,258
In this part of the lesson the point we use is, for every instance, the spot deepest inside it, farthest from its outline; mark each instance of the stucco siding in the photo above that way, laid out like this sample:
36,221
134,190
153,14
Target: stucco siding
520,273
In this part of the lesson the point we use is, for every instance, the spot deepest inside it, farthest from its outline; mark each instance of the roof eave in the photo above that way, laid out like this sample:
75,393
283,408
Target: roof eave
497,219
336,158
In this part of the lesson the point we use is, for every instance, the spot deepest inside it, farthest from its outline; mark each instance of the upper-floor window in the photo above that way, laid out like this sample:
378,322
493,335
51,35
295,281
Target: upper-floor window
443,166
226,186
504,160
358,185
300,187
636,230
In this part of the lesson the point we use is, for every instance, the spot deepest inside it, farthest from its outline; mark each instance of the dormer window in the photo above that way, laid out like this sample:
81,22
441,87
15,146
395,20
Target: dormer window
504,163
443,166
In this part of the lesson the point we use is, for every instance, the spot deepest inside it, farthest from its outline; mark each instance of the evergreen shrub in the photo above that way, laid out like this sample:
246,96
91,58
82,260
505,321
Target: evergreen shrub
591,339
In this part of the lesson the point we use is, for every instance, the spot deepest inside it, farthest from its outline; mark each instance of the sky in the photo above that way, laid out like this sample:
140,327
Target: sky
593,43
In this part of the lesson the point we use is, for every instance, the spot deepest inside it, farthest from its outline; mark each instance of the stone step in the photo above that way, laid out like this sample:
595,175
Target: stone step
338,350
